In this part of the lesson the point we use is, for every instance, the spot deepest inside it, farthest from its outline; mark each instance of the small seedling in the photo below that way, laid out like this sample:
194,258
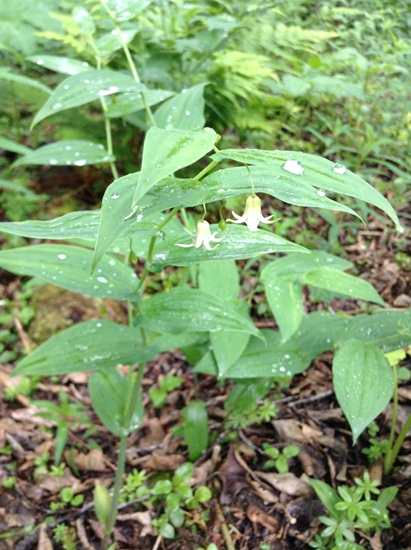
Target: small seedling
67,498
42,467
169,383
350,510
9,483
279,459
66,536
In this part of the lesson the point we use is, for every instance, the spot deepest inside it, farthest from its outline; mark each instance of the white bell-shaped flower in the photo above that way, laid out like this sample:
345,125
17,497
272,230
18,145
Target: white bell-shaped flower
203,237
252,214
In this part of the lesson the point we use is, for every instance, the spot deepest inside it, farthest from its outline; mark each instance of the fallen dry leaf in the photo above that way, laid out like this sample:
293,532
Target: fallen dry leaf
233,475
143,518
164,463
256,515
44,540
287,483
92,461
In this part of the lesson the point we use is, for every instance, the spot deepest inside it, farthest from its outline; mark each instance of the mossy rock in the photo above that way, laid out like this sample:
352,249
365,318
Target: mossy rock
57,309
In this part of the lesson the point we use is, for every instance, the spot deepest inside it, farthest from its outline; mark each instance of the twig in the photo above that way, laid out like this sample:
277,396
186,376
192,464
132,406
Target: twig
22,335
157,543
226,533
312,399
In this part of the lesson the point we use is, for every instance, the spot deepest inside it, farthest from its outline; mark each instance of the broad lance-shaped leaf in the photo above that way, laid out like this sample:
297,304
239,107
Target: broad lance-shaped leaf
5,74
130,102
363,382
9,145
69,267
266,358
283,279
239,243
285,299
276,183
292,266
66,153
108,390
82,227
64,65
319,331
82,88
124,10
74,225
184,111
190,310
166,151
96,345
227,346
334,280
318,171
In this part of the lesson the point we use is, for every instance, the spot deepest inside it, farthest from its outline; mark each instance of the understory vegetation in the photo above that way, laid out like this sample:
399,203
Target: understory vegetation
205,274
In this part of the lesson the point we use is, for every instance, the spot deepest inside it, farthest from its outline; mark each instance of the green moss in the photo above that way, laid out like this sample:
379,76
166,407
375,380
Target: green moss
57,309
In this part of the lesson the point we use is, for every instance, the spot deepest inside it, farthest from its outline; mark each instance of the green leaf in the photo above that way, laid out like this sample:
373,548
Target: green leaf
110,42
196,428
74,152
69,267
9,145
227,347
328,497
273,181
73,225
243,395
363,382
285,299
84,20
123,104
320,172
123,10
239,243
90,346
102,503
166,151
108,391
292,266
63,65
268,358
183,473
6,74
83,88
190,310
333,280
184,111
220,278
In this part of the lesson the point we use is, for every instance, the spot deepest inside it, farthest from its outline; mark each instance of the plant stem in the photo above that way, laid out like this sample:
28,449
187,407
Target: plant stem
394,447
388,462
151,247
118,482
109,138
135,74
398,443
206,170
133,393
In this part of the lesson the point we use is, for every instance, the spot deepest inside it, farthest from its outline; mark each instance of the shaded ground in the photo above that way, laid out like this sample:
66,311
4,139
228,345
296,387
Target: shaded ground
250,505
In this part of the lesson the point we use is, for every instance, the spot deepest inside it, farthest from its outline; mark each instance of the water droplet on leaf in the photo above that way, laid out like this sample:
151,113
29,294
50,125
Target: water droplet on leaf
339,169
294,167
